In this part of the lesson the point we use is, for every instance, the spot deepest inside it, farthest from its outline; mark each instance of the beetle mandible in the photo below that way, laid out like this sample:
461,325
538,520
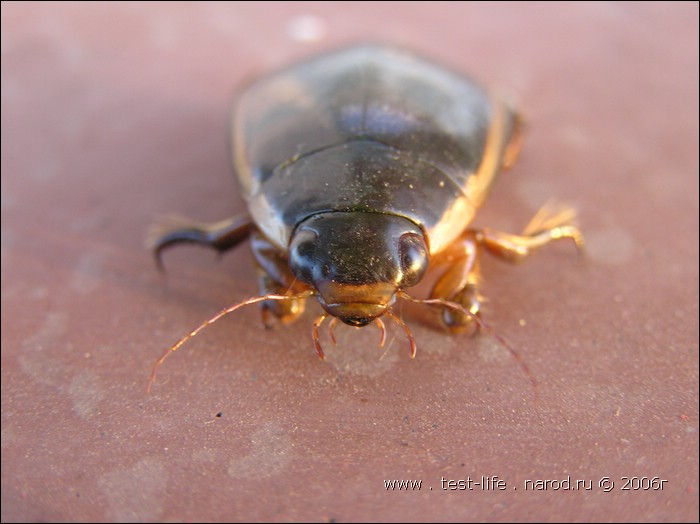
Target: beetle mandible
361,168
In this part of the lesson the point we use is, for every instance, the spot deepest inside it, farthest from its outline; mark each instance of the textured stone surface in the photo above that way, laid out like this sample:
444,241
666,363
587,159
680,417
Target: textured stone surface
113,114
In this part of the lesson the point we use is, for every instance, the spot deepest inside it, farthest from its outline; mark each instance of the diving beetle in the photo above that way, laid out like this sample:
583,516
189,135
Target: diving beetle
361,169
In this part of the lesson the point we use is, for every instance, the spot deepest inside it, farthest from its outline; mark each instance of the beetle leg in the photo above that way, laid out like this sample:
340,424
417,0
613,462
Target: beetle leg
275,277
221,236
460,284
549,223
461,281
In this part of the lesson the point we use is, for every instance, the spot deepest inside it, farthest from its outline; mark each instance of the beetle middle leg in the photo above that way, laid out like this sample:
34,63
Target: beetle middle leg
460,282
275,278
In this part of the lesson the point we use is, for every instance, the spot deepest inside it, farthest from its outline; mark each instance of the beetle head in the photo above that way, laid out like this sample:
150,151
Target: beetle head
357,261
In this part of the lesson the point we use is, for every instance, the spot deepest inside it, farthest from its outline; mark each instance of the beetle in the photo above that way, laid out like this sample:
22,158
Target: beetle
362,168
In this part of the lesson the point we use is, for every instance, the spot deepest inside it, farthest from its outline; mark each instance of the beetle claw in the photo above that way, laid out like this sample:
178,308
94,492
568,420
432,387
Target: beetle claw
158,255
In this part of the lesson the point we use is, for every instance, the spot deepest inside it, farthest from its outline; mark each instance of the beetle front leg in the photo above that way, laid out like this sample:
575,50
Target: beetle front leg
275,277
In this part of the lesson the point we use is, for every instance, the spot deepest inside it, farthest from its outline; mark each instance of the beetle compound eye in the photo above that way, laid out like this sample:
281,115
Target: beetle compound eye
413,255
306,249
302,252
303,244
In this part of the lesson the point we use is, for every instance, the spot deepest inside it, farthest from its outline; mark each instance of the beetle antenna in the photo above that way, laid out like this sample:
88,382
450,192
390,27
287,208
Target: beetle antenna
482,325
406,330
213,319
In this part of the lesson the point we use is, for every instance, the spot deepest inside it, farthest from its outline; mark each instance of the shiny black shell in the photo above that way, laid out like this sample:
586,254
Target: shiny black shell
368,129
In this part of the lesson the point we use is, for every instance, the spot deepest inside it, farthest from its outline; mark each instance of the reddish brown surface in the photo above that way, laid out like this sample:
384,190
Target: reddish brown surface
113,114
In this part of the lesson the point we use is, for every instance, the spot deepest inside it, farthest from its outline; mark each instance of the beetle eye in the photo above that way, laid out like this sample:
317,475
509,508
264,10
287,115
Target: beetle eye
304,243
305,249
301,254
413,255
